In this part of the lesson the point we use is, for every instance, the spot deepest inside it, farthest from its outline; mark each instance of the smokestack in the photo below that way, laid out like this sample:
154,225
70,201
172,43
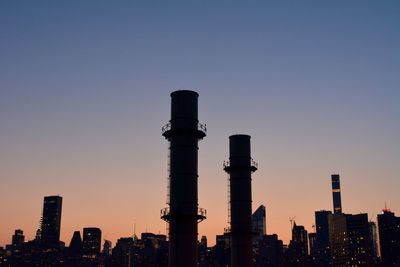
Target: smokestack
183,133
337,201
240,166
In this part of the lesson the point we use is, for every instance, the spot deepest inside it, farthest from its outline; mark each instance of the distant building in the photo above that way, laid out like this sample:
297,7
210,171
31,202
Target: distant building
312,244
91,243
337,201
18,238
349,239
107,248
373,242
203,252
51,222
389,238
297,253
323,250
122,253
222,250
270,252
258,220
75,246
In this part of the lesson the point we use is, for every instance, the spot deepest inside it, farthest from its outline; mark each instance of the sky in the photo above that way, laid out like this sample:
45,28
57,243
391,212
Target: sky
84,92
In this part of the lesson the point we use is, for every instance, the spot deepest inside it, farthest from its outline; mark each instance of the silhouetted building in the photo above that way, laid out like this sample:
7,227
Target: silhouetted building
297,254
203,252
323,250
222,250
389,238
75,246
312,244
239,167
51,222
373,243
337,201
154,251
183,133
270,252
122,253
349,239
18,238
107,248
258,220
91,243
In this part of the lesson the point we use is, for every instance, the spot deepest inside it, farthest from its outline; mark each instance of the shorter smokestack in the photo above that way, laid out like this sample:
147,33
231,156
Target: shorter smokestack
337,201
240,166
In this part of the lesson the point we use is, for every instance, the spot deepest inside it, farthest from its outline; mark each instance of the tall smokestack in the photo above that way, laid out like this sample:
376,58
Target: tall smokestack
183,133
337,201
240,166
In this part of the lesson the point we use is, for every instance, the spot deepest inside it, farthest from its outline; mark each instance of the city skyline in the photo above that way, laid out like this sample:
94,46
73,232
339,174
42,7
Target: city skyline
83,101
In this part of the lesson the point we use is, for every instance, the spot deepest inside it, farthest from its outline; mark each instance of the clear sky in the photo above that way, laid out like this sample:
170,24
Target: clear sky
84,91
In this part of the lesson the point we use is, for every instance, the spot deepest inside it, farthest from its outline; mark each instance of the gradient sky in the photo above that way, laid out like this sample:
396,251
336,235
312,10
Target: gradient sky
84,91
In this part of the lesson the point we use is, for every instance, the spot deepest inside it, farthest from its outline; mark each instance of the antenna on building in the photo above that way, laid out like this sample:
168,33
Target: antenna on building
386,208
134,232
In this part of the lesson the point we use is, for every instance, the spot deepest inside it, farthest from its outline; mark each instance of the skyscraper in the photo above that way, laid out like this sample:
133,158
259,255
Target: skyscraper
373,238
323,255
350,240
91,243
258,220
51,221
298,246
389,238
18,238
75,246
337,201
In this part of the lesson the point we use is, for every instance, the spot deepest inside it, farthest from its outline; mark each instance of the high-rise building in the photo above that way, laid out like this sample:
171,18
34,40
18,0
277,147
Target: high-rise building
349,239
312,244
373,242
258,220
323,250
389,238
107,247
337,201
51,222
18,238
298,246
75,246
91,243
270,252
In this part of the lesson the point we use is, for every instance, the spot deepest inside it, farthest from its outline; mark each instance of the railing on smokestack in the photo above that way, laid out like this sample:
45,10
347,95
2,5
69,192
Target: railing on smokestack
253,165
166,215
201,129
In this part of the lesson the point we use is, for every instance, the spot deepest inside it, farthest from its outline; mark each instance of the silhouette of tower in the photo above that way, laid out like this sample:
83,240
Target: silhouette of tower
337,201
183,133
51,221
239,167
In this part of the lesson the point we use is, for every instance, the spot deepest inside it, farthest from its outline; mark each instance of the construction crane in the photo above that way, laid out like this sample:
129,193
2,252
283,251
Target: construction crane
291,219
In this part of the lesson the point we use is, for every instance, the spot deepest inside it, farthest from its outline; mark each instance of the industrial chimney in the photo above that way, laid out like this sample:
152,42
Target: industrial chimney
239,167
337,201
183,133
